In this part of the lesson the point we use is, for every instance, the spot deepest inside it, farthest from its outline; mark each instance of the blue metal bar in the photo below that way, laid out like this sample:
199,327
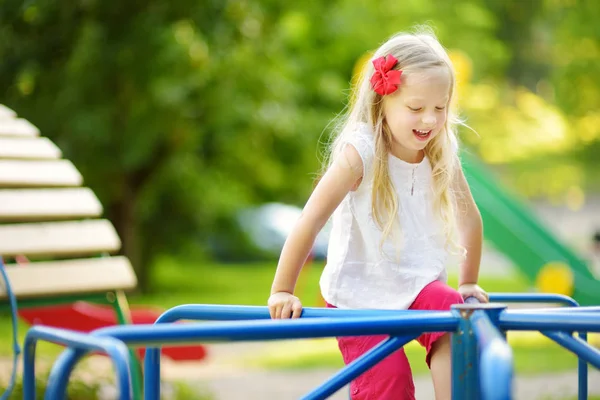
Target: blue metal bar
496,359
432,321
12,300
152,373
56,386
532,298
215,312
569,310
206,312
115,349
582,374
548,321
359,366
582,349
464,357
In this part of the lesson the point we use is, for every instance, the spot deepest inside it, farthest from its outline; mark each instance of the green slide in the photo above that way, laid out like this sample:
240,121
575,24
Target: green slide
517,233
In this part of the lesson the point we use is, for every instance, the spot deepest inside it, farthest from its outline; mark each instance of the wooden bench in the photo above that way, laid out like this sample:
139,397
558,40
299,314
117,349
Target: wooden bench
47,216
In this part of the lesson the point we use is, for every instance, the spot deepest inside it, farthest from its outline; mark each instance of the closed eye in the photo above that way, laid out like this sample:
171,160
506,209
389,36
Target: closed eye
420,108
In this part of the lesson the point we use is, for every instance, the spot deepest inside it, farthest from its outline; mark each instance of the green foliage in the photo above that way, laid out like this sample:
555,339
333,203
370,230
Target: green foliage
76,391
178,114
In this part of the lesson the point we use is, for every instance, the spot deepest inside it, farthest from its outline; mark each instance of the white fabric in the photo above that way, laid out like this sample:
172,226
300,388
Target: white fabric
362,273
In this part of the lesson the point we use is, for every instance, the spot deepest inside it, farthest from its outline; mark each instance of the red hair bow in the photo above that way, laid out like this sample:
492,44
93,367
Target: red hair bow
385,80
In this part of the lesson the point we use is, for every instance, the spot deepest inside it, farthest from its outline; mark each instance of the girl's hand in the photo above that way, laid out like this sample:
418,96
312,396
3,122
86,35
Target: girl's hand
473,290
283,305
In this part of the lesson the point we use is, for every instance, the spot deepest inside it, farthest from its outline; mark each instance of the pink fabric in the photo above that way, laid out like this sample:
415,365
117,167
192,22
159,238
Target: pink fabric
391,379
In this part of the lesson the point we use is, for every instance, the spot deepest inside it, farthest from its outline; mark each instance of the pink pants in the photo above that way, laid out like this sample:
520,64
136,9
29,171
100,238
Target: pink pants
391,378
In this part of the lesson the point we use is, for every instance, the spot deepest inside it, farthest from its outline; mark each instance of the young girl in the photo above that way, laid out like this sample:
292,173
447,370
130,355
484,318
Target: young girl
398,196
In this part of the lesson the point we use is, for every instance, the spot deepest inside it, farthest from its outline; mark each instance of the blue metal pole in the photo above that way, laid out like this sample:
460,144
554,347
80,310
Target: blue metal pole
548,321
582,349
433,321
496,358
359,366
152,373
464,356
215,312
56,386
582,374
115,349
564,310
532,298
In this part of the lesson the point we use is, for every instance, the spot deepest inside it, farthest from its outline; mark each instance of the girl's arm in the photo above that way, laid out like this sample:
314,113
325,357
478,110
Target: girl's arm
471,228
344,173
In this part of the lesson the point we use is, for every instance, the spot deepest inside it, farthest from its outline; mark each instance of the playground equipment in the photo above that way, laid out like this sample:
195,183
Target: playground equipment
517,233
47,216
481,357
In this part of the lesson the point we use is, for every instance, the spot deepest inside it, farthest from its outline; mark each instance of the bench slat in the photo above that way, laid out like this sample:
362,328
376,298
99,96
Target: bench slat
53,278
19,173
7,113
44,204
18,127
59,238
39,148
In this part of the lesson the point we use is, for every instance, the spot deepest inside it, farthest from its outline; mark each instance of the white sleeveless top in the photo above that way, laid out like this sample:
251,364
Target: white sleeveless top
363,273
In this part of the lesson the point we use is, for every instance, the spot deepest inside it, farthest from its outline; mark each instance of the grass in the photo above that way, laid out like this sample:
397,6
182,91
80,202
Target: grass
249,284
175,283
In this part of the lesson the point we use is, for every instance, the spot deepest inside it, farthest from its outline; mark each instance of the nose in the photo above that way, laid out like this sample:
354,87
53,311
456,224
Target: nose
429,120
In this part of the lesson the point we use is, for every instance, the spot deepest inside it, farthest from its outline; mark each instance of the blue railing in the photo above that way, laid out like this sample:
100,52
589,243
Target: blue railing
80,343
400,326
478,339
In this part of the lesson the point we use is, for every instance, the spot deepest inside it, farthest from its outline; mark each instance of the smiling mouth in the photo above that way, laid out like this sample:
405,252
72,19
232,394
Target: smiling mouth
422,135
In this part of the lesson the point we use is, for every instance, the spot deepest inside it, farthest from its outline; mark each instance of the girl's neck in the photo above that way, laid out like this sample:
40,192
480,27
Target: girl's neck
407,155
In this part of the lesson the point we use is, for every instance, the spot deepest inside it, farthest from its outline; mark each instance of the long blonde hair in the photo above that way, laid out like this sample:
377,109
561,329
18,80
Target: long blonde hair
415,52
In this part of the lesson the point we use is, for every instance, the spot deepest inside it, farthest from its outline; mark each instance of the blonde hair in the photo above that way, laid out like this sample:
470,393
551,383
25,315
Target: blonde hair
415,52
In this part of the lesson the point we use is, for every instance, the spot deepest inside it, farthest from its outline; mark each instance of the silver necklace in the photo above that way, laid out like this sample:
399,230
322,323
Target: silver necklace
412,188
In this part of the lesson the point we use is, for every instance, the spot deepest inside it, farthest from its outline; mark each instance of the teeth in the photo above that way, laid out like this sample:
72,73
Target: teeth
421,132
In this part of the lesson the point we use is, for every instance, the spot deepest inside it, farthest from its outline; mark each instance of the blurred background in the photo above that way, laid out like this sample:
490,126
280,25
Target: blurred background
200,126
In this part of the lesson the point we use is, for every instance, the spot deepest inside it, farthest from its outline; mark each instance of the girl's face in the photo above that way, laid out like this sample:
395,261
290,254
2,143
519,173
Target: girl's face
417,111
